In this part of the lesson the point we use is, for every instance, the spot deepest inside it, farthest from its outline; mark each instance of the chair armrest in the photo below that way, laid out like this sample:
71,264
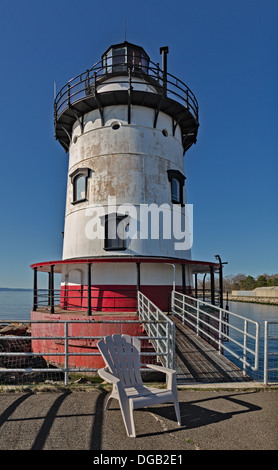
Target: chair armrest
170,374
161,369
105,375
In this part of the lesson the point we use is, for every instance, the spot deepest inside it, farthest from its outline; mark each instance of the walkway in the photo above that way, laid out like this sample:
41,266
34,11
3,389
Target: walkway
199,362
211,420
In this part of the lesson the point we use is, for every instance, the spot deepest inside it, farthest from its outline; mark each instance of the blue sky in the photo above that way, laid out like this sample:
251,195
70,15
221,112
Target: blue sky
225,51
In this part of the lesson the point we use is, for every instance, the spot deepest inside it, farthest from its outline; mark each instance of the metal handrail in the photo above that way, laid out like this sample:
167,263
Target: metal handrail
161,353
71,92
196,312
268,338
162,335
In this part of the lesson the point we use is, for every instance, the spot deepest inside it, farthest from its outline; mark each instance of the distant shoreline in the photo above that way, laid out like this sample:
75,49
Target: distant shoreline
254,300
14,288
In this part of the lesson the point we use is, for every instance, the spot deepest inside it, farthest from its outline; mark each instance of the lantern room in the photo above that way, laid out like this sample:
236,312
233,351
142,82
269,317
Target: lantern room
120,57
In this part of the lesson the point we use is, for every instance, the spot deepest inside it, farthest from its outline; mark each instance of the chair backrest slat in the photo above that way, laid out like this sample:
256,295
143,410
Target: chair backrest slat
135,356
104,348
122,356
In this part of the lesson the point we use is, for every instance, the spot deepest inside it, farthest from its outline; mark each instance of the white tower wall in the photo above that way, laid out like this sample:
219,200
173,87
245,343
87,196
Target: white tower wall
129,164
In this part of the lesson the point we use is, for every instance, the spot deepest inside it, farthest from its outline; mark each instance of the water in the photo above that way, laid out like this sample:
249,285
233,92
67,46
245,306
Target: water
258,313
16,304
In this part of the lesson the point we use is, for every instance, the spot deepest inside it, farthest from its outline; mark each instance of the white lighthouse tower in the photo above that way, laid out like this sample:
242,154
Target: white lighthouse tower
126,124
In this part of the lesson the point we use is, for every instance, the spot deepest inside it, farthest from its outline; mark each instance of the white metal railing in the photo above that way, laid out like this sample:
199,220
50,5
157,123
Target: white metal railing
220,326
267,354
160,336
159,328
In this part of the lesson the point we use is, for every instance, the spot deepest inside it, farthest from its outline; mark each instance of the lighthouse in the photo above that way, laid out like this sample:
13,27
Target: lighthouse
126,125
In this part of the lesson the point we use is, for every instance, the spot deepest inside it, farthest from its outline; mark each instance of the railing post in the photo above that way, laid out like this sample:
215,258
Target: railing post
183,309
257,342
55,111
221,284
244,346
68,95
265,352
157,330
198,316
89,309
183,279
51,288
138,285
196,285
220,331
168,346
35,293
212,288
141,311
173,345
66,354
138,305
187,100
87,81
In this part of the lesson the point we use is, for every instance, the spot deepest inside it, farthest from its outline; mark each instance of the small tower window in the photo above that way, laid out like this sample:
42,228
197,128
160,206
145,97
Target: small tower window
115,232
176,190
176,179
79,180
79,188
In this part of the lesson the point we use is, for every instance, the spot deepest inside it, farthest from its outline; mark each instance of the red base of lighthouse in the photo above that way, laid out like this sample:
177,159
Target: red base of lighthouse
113,309
51,328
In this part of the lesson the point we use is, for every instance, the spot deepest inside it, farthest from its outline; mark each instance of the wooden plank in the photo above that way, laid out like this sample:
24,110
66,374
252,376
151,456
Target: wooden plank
198,362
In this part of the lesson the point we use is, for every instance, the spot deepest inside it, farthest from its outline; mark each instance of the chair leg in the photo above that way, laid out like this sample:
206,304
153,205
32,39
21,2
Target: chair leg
108,402
177,410
127,414
173,388
113,394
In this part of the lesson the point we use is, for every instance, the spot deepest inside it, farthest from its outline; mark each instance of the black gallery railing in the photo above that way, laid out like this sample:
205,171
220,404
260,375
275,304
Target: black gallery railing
87,83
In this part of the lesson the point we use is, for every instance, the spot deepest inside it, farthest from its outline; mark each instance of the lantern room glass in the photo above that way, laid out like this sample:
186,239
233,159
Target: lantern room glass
120,58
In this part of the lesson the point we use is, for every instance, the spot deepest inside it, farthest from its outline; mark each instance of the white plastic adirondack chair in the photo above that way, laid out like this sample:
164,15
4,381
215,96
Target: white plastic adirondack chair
121,356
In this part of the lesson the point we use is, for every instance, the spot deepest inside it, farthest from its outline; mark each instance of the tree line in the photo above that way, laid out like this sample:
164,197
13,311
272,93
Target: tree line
243,282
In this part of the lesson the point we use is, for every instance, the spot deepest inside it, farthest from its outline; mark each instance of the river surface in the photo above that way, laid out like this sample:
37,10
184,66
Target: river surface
259,313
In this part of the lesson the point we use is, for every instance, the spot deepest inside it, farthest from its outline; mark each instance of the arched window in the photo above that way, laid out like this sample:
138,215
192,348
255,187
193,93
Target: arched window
79,179
176,179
